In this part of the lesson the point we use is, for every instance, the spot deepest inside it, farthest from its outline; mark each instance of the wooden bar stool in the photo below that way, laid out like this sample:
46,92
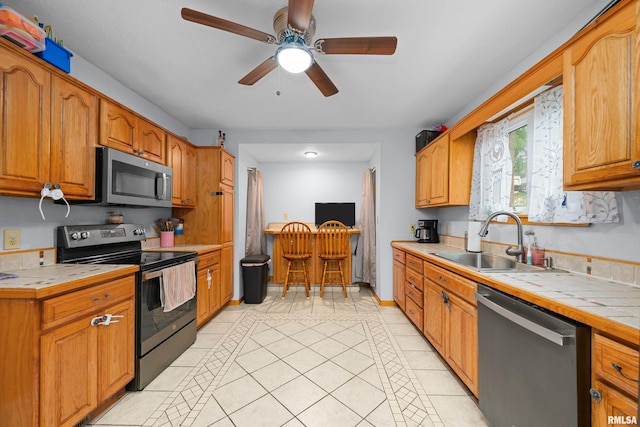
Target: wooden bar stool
333,247
296,249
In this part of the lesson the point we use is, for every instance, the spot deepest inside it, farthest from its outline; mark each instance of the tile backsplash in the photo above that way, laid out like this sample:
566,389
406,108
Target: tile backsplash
20,260
604,268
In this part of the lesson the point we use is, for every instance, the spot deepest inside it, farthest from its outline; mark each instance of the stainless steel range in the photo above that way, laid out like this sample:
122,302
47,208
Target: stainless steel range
161,336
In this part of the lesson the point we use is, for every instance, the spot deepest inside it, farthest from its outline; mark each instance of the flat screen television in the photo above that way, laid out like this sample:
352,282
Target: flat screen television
343,212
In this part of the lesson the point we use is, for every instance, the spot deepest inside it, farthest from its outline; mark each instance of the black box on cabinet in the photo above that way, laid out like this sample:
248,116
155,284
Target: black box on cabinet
425,137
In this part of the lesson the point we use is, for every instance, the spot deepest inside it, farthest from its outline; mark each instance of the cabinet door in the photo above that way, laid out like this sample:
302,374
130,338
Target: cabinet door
116,345
438,185
398,283
226,168
462,331
118,127
74,130
175,153
227,214
422,179
602,104
204,289
434,326
189,165
226,274
25,103
69,370
612,404
150,142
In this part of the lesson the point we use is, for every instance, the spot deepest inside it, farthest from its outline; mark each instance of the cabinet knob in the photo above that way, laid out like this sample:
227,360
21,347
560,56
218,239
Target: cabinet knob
595,395
636,165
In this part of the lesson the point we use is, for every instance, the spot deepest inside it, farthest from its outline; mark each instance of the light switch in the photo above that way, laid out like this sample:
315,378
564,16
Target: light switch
11,239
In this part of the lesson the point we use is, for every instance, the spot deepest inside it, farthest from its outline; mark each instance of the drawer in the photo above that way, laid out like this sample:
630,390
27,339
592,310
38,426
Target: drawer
452,282
607,352
415,294
413,278
59,310
398,255
414,313
414,263
209,259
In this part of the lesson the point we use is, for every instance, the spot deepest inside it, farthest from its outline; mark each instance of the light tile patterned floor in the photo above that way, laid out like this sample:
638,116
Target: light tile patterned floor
303,362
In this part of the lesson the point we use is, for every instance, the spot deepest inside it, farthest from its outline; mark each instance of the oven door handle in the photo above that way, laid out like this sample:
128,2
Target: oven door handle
152,275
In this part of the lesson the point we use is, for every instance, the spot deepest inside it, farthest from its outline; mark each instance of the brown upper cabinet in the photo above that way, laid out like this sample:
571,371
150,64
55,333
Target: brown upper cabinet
443,172
602,105
182,159
124,130
48,129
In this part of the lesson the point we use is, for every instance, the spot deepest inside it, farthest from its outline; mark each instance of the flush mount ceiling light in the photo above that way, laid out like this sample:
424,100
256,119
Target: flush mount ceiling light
293,56
310,154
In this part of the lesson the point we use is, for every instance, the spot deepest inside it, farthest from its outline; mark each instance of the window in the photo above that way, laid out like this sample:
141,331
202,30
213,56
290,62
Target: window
520,144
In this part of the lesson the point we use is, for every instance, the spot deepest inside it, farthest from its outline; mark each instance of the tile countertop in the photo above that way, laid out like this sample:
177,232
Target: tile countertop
52,280
610,306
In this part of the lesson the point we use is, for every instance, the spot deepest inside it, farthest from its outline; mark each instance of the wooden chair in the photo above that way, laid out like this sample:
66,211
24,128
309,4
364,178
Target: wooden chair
333,247
296,249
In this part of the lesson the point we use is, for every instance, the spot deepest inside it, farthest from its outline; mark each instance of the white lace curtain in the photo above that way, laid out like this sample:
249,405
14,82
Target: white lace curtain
366,248
548,202
492,172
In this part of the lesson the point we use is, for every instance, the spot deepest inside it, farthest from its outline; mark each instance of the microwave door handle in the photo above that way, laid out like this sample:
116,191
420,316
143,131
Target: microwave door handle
163,177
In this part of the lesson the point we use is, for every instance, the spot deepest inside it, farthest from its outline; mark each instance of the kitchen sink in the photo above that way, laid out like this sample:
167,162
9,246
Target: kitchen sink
487,262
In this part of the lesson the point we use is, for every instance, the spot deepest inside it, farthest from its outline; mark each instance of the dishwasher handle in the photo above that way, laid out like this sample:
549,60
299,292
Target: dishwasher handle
553,336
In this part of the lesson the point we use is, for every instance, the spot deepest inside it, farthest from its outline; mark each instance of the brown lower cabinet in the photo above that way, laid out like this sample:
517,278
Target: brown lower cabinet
614,387
209,298
442,305
451,321
58,365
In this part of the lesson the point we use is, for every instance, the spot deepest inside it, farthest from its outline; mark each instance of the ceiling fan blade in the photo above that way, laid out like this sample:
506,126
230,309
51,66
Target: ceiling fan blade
300,14
321,80
357,46
259,72
224,25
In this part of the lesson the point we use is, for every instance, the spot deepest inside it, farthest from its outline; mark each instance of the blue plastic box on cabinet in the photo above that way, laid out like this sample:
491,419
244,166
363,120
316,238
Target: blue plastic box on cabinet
56,55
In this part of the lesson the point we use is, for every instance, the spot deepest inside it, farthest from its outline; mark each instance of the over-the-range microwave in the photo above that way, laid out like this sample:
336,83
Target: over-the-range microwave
125,179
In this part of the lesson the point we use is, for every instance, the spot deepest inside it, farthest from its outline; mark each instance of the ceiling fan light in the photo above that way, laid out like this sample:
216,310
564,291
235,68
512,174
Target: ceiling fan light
310,154
294,57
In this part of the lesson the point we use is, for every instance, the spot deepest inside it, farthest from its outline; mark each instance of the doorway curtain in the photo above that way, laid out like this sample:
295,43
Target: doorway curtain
255,239
366,247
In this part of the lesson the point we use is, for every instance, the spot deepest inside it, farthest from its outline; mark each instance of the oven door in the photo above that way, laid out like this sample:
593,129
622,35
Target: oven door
154,325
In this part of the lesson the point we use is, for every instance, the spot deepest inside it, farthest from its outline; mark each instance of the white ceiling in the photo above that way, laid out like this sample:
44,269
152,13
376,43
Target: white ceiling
448,54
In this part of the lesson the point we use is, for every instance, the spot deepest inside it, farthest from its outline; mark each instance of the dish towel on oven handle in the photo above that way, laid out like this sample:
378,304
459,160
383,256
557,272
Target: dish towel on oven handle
178,285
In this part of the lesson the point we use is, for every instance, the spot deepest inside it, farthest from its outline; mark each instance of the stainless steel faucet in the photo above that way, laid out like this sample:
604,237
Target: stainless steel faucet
517,251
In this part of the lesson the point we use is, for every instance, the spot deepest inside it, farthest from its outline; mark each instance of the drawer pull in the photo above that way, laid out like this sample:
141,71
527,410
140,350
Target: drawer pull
619,369
98,299
595,395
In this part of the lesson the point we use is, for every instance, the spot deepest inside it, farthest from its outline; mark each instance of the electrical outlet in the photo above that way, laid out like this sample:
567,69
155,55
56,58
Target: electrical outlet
412,229
11,239
286,216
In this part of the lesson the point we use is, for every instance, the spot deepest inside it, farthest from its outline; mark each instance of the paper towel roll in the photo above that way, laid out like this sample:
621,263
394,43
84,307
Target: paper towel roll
474,241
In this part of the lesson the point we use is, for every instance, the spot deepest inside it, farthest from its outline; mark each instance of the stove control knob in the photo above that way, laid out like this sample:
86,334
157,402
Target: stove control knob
75,236
85,235
138,231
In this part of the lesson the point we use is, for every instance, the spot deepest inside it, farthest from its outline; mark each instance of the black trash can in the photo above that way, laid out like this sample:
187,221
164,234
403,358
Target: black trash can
255,275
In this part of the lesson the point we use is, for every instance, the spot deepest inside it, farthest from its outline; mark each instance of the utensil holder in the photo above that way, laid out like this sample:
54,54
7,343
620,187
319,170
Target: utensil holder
166,239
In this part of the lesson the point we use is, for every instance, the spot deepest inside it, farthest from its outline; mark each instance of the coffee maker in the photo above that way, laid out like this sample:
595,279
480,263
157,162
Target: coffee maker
427,231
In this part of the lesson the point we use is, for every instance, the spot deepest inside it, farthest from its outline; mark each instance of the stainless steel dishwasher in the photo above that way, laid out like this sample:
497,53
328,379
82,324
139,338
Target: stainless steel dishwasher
533,365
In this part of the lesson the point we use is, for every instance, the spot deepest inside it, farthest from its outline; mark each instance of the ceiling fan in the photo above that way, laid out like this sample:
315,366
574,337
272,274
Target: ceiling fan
295,27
